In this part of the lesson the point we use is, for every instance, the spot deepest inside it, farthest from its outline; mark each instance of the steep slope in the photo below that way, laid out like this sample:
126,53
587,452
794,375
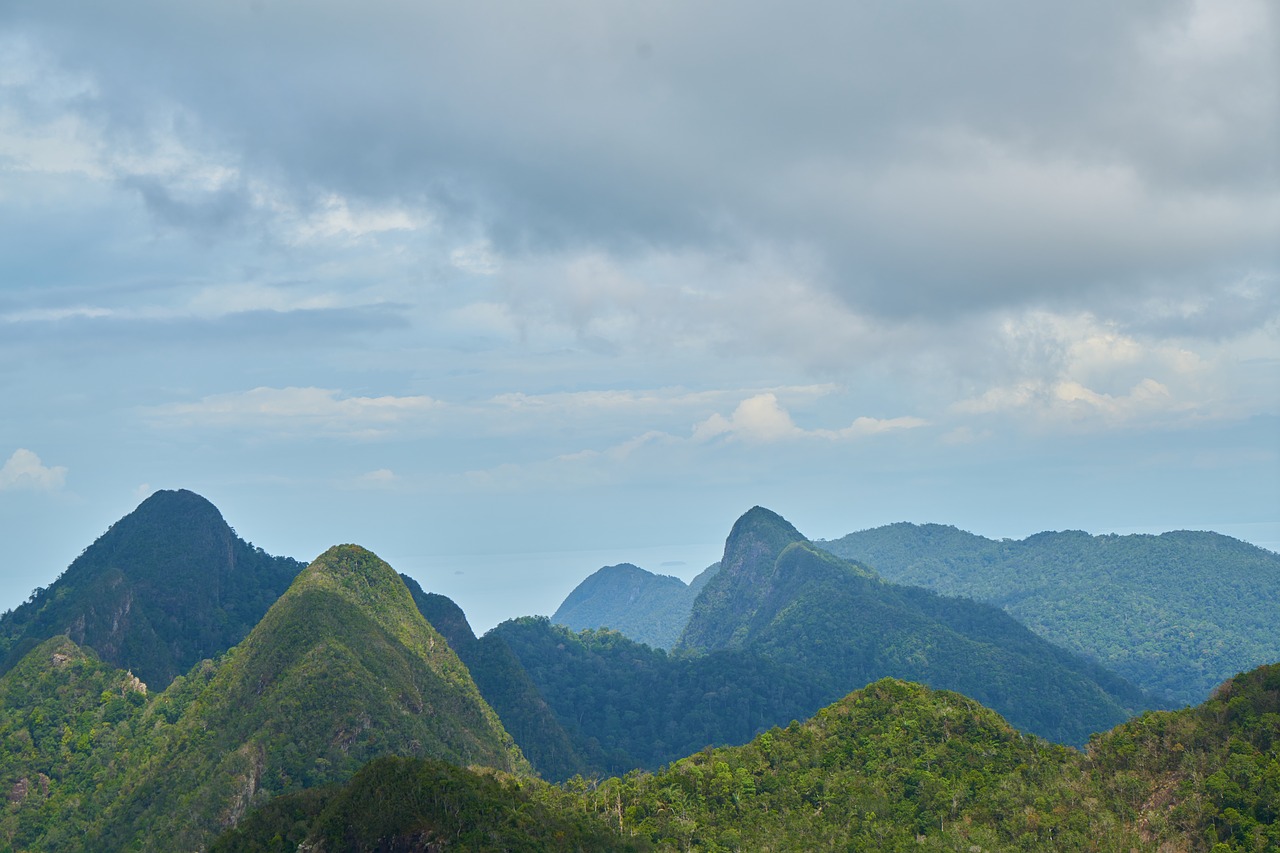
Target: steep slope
167,586
506,686
342,669
1176,613
779,596
648,608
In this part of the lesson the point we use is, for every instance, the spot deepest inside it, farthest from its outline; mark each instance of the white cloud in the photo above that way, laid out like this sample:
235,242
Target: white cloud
761,420
382,478
24,471
297,410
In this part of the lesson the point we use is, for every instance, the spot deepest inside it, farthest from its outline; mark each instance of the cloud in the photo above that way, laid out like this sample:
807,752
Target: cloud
761,420
23,471
382,478
1148,158
294,411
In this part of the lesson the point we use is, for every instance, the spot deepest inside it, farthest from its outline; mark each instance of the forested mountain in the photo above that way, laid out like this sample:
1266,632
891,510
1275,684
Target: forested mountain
779,596
626,705
1176,613
167,586
342,669
892,767
648,608
507,688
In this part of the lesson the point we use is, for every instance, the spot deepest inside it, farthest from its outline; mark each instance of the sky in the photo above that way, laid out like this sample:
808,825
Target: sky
508,291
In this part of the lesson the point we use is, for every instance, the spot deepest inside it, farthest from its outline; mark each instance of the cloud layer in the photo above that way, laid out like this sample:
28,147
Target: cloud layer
678,258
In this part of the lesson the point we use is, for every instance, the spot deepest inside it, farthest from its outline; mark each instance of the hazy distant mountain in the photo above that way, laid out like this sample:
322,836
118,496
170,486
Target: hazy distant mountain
1176,613
778,595
342,669
167,586
648,608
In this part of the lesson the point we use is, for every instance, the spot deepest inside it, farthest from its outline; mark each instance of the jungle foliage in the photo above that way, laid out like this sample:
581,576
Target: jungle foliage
1176,614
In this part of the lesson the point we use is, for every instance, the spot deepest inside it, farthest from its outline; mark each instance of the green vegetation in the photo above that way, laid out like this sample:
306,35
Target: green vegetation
341,670
71,727
626,705
892,767
1176,614
422,804
167,586
779,597
648,608
507,687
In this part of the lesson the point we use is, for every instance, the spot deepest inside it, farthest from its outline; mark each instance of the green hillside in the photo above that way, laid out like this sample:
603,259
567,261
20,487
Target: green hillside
779,596
341,670
1177,613
899,767
506,686
167,586
404,804
892,767
624,704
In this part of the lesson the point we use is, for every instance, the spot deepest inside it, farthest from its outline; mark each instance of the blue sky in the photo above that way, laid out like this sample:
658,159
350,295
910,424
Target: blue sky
508,291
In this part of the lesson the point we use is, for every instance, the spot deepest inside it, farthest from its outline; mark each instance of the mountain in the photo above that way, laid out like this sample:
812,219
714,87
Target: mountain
779,596
894,766
1176,614
167,586
506,686
625,704
342,669
648,608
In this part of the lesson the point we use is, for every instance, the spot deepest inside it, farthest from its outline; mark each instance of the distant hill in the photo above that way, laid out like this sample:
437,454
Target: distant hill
648,608
1176,613
167,586
778,595
341,670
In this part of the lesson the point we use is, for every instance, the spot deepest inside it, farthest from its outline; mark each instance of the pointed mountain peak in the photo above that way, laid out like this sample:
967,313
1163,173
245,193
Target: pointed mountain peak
751,553
755,542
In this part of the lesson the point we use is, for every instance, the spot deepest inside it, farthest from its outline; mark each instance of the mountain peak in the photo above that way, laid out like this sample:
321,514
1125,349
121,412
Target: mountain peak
166,586
756,541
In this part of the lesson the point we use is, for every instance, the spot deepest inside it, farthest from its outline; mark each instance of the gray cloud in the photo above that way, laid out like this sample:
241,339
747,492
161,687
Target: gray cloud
932,159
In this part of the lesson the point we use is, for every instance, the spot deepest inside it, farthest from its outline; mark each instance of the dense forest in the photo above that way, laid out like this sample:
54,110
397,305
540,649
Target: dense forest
342,669
892,767
1177,613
